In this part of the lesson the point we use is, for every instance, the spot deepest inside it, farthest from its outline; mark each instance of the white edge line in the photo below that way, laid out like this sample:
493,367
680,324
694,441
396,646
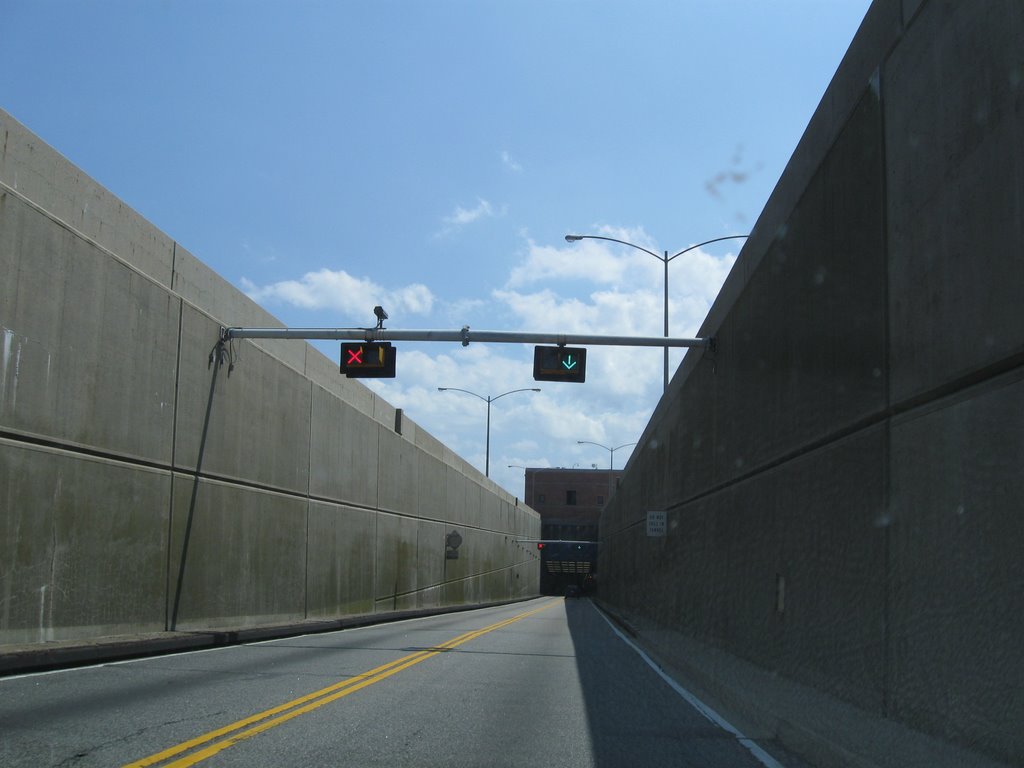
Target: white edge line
763,757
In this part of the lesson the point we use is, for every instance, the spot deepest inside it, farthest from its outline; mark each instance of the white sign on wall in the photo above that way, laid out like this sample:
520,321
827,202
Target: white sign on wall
657,523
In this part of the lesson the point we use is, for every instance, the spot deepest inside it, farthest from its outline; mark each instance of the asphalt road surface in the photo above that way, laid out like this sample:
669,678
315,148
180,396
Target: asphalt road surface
547,682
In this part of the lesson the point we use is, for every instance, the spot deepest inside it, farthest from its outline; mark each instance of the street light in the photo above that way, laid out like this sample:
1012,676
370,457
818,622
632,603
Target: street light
488,400
611,451
664,259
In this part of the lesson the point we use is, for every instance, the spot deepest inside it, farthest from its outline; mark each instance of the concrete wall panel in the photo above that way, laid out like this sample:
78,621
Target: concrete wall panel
431,497
199,285
430,562
955,164
35,171
457,495
324,371
397,472
259,428
83,545
343,451
89,346
804,352
958,575
252,541
340,567
408,551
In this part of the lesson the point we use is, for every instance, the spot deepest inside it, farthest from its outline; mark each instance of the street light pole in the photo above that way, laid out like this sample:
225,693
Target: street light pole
611,451
665,304
488,399
664,259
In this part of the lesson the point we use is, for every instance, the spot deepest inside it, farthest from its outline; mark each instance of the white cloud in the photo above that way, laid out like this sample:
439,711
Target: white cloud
630,302
587,260
338,290
509,163
462,217
457,311
529,429
605,313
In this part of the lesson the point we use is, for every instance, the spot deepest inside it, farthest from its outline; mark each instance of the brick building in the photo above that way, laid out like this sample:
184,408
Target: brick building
569,502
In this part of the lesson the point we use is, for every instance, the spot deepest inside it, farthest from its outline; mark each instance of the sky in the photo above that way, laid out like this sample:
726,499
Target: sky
430,156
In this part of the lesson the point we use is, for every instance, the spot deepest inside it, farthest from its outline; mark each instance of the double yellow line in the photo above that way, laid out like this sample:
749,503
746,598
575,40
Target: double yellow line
222,738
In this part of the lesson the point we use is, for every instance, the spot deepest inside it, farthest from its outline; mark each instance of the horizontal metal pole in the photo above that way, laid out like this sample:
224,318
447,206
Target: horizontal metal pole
464,336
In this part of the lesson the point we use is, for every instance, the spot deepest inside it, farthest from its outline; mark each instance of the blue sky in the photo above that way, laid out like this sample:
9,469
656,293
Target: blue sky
430,156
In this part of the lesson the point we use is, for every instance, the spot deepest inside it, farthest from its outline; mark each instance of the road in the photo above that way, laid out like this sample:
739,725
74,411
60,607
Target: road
546,682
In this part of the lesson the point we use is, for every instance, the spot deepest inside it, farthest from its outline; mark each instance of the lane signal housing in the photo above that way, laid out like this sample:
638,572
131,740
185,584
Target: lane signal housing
368,360
560,364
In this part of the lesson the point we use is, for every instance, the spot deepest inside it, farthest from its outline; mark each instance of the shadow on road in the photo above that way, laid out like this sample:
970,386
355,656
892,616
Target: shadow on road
635,718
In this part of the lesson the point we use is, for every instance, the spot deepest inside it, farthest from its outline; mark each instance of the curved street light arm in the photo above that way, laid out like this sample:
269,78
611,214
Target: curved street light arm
456,389
664,260
611,451
707,242
606,447
574,238
488,399
512,392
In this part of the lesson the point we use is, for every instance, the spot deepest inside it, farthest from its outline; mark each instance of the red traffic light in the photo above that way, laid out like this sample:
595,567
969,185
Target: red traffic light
540,545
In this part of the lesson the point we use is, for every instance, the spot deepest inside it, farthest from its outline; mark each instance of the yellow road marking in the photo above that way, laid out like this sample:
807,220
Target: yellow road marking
270,718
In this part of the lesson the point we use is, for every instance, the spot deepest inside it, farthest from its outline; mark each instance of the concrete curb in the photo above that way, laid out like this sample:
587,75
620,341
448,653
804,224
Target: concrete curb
64,654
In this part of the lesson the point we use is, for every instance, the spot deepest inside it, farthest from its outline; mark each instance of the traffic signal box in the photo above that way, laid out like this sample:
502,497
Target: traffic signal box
560,364
368,360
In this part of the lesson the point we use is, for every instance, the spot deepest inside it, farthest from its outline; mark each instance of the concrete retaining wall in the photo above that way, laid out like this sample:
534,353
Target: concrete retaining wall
315,498
843,475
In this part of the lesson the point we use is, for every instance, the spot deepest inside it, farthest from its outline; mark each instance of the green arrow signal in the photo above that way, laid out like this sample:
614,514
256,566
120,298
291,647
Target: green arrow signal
560,364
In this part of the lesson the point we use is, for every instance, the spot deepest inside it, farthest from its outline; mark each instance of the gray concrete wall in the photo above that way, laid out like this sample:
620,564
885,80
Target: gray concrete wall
309,504
843,475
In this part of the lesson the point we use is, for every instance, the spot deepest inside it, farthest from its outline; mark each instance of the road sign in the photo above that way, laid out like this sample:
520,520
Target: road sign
657,524
452,542
368,360
560,364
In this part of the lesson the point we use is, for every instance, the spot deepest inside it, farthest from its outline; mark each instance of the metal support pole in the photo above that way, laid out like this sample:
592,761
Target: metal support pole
666,322
488,400
463,336
665,258
487,459
611,451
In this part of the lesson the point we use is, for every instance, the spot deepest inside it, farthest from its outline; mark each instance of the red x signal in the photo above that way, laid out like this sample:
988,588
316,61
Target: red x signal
368,360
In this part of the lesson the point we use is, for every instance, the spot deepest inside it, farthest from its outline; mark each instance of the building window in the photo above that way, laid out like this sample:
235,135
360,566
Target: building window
570,498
